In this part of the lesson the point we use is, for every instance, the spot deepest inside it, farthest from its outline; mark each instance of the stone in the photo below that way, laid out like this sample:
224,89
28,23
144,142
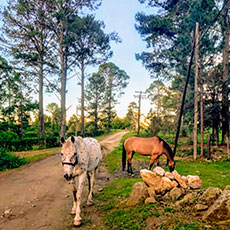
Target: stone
200,207
138,194
169,175
180,181
187,199
194,182
159,171
167,184
220,210
210,196
175,193
150,200
151,192
150,178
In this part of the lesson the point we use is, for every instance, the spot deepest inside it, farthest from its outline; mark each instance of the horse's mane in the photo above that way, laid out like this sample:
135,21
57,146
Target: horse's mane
166,145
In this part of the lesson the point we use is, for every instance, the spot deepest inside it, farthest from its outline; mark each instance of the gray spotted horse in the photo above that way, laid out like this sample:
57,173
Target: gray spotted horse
80,158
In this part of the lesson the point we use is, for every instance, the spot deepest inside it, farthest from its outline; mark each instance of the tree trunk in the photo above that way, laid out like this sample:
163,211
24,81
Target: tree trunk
82,99
196,96
110,103
226,33
201,111
41,126
63,82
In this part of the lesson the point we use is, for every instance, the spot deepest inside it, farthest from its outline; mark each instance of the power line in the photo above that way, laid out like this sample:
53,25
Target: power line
188,76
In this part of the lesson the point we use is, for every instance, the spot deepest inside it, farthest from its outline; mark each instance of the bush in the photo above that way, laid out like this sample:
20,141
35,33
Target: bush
9,161
28,143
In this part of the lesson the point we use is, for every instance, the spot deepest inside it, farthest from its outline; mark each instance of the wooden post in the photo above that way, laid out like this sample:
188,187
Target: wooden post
196,95
209,147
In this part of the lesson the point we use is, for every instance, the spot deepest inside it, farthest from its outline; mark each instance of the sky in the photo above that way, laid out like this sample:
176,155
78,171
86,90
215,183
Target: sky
118,16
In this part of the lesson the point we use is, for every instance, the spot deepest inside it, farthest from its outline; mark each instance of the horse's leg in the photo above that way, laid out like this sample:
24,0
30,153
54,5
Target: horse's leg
130,157
91,178
154,157
157,161
77,219
74,190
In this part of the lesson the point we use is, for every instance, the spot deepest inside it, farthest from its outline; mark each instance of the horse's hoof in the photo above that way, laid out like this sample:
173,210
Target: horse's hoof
73,211
89,203
77,223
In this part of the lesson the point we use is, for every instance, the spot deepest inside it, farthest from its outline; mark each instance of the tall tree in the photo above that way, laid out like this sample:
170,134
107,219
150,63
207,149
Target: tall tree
63,12
225,26
89,46
28,39
116,80
95,93
132,115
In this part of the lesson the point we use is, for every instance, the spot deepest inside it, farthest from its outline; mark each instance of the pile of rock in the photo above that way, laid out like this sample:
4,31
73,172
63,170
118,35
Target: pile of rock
213,204
160,184
169,185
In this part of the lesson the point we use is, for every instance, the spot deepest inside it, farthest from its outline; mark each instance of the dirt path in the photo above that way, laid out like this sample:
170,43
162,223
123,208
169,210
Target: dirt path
37,197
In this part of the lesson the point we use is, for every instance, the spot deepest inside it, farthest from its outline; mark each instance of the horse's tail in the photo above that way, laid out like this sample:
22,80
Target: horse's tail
106,146
123,158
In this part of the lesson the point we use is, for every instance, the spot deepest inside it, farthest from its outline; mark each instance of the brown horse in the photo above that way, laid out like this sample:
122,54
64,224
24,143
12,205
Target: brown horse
151,146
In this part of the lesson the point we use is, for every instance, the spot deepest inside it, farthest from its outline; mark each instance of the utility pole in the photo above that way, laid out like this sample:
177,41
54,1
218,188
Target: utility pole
140,96
196,95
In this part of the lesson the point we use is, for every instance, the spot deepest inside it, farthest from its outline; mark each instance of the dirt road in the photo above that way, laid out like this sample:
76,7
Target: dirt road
37,197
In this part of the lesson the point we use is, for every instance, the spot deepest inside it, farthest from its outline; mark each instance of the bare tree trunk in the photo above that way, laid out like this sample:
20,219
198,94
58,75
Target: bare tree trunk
82,99
201,111
63,82
41,126
196,96
226,33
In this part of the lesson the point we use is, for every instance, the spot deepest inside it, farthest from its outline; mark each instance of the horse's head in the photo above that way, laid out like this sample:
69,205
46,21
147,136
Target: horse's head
171,165
68,156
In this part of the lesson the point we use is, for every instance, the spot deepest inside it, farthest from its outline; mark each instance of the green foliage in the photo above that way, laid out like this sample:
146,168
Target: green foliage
115,81
132,218
9,161
28,143
212,174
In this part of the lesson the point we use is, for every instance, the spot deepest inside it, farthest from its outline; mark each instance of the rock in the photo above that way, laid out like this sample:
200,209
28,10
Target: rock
194,181
159,171
169,175
200,207
158,183
151,192
187,199
150,178
210,196
8,212
167,184
150,200
139,194
180,181
220,210
175,193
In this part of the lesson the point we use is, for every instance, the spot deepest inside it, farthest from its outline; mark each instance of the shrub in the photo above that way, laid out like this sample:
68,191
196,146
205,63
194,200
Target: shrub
9,161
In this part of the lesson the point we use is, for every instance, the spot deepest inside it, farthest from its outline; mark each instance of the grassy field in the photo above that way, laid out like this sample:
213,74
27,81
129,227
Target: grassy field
118,216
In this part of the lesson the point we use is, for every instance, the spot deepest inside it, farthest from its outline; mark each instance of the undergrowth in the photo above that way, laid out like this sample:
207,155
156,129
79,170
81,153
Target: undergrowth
10,161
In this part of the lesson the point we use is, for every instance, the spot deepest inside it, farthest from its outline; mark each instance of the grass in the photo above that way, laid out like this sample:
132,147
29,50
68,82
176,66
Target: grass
35,155
113,198
212,174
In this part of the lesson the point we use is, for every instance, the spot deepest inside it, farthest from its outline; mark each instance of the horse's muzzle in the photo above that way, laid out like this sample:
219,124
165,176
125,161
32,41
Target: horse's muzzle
68,177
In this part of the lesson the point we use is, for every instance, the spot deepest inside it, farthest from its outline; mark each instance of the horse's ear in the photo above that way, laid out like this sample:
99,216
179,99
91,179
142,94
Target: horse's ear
73,139
62,140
